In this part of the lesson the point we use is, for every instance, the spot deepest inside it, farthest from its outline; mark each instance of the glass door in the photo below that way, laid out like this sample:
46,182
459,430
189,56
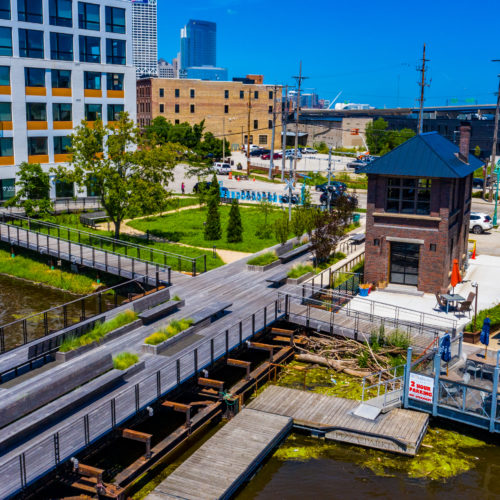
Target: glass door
404,263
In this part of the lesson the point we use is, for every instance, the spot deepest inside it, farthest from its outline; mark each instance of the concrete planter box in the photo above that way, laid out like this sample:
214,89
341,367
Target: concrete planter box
301,279
133,370
261,269
66,356
287,247
157,349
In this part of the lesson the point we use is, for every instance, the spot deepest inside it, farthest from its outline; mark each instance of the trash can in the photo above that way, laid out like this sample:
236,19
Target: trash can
356,217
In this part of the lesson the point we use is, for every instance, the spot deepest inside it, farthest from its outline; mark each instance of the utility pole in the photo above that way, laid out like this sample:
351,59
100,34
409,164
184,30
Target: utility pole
329,193
271,164
284,122
223,138
494,168
422,84
297,112
290,182
248,130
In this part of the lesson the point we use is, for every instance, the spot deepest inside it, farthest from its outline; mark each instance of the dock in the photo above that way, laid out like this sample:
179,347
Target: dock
227,459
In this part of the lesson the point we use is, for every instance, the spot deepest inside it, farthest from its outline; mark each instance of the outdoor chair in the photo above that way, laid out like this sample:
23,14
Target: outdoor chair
440,301
473,368
470,297
464,307
487,370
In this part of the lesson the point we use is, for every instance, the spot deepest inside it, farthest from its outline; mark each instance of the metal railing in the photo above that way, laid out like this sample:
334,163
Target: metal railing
390,385
193,265
63,204
38,325
22,470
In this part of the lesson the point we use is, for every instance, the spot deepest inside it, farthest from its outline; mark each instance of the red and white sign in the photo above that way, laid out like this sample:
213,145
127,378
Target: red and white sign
421,387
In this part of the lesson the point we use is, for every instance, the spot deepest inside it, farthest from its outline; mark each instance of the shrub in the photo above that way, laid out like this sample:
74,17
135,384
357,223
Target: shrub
155,338
263,259
124,360
99,331
172,329
493,313
176,298
299,270
398,339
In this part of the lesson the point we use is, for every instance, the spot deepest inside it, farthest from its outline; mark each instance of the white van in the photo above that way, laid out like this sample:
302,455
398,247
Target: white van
222,168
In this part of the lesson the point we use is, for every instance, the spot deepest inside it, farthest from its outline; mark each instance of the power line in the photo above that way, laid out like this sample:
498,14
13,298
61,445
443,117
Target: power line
297,113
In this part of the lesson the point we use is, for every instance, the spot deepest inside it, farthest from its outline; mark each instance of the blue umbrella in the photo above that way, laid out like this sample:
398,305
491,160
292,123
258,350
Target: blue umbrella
445,350
485,334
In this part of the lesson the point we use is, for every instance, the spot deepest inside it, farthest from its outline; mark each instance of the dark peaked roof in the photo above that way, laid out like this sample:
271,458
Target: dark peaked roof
425,155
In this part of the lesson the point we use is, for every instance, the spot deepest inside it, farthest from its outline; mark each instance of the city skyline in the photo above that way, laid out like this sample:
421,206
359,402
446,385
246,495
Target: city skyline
348,51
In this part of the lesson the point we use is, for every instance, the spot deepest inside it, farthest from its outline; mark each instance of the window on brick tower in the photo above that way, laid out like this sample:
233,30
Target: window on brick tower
408,196
270,124
262,139
191,108
177,108
256,124
226,109
162,92
192,93
162,108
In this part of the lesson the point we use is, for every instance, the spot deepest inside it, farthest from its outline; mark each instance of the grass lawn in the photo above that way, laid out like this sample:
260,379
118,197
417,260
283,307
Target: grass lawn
187,227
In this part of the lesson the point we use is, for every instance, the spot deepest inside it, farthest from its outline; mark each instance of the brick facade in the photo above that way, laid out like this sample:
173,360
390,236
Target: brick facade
446,228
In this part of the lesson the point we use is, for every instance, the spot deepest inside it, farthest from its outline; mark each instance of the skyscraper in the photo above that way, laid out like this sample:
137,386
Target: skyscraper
145,37
198,44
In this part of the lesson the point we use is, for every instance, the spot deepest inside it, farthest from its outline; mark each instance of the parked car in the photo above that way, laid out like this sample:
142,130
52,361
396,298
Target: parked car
290,153
335,197
201,185
259,152
480,222
358,166
478,182
222,168
253,147
267,156
333,184
309,151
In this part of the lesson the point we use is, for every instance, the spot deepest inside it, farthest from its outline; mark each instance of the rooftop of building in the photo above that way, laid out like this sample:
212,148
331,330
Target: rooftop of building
185,81
425,155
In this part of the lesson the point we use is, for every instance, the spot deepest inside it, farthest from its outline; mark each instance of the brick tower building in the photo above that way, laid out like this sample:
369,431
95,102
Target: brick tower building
418,211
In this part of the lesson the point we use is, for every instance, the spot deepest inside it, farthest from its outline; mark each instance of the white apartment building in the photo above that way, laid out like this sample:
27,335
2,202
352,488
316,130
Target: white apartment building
61,62
145,37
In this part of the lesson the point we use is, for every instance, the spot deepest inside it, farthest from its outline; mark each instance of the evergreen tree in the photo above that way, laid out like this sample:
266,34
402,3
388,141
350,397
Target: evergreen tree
214,190
213,229
234,226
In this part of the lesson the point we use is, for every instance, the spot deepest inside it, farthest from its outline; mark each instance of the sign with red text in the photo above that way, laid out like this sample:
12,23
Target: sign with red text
421,387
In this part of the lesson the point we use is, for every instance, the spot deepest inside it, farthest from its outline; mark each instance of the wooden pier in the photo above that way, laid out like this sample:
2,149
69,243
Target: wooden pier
227,459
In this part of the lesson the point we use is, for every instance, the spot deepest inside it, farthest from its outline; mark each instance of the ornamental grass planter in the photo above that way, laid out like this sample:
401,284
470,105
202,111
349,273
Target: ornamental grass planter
261,269
300,279
158,348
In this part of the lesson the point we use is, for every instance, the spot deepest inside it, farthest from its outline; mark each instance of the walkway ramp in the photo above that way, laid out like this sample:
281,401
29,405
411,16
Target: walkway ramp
399,431
227,459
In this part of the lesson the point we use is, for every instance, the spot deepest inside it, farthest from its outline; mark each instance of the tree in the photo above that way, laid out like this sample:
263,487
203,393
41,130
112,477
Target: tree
131,176
477,151
329,230
299,221
213,229
264,230
282,228
234,227
380,140
33,188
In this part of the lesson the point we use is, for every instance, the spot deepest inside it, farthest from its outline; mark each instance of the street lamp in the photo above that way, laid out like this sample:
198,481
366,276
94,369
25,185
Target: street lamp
475,285
497,172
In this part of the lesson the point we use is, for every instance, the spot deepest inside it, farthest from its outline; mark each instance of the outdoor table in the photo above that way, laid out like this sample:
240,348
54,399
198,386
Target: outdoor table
452,297
478,357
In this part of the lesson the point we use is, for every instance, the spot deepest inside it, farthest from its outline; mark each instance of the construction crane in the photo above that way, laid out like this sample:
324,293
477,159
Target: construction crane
333,102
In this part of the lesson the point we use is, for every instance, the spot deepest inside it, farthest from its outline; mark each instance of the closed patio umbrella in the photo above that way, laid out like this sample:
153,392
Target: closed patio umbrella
485,335
455,275
445,350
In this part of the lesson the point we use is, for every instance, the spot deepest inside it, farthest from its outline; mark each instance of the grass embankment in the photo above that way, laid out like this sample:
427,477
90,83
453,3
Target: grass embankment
124,360
99,331
172,329
36,270
73,221
187,227
263,260
493,313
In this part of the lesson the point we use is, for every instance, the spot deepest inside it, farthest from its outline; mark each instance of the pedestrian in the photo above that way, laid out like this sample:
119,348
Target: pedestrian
183,188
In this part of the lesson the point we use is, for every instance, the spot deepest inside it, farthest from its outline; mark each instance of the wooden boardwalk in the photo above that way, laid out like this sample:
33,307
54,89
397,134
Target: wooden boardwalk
227,459
399,431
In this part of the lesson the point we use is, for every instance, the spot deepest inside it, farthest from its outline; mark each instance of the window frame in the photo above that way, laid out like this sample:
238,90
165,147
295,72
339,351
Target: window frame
408,195
36,116
113,86
58,72
55,19
88,76
83,49
110,23
56,37
29,17
6,50
5,83
26,38
8,114
32,141
7,16
99,113
11,147
111,116
58,143
83,22
27,77
56,112
111,57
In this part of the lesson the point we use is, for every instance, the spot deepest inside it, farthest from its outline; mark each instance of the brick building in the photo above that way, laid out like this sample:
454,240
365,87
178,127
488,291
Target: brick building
418,210
223,106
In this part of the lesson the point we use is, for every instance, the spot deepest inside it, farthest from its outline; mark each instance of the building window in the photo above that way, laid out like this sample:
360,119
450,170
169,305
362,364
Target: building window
176,108
226,109
64,189
242,94
432,247
31,44
376,242
90,49
37,146
191,108
269,124
93,112
61,144
5,112
177,122
7,186
62,112
60,13
262,139
115,20
192,93
271,95
6,147
36,112
92,80
61,46
226,94
177,93
256,94
114,111
270,110
30,11
408,196
88,16
162,108
162,93
4,9
115,81
256,124
5,41
34,77
116,52
61,79
4,75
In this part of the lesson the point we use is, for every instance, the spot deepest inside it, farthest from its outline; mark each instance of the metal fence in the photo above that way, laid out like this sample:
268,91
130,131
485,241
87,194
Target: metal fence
63,205
194,265
45,455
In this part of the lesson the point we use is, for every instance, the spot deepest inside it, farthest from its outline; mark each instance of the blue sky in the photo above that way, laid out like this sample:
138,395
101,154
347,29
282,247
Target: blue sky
366,49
